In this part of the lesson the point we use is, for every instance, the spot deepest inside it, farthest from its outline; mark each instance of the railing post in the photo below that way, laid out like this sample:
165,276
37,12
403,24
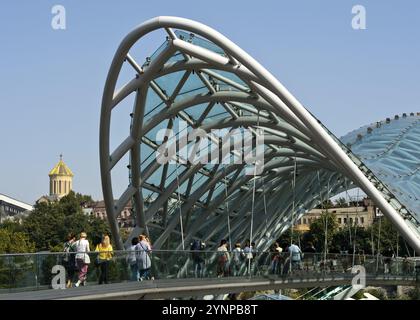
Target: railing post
36,272
8,264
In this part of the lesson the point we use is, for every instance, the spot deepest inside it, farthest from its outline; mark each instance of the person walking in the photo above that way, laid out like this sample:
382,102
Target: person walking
132,260
144,262
82,258
388,256
310,260
69,259
222,259
151,277
237,256
197,257
275,257
249,257
405,266
295,256
104,256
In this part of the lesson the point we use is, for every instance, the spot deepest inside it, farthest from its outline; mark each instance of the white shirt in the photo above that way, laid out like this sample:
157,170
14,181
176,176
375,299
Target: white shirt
131,258
295,251
237,252
224,249
82,245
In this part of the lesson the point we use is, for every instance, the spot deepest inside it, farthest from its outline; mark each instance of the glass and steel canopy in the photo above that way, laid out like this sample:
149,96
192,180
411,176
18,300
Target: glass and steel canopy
391,149
198,79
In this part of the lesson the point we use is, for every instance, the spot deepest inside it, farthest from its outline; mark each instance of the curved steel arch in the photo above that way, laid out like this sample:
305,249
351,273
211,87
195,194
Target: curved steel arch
198,75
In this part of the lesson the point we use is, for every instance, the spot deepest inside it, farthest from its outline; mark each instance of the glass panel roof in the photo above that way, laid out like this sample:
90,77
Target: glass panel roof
390,149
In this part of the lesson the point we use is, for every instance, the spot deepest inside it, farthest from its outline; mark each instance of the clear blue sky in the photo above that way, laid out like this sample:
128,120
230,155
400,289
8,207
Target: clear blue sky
51,81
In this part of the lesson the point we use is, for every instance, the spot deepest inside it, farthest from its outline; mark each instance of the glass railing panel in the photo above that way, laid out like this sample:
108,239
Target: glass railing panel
26,272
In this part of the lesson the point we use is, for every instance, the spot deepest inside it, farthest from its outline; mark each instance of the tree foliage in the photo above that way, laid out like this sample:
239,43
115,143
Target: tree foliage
48,225
15,242
326,222
381,235
383,232
351,238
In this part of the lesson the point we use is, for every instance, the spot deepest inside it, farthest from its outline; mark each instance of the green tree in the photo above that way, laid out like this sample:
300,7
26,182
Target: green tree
73,203
12,226
15,242
326,222
14,268
45,225
388,238
49,223
352,238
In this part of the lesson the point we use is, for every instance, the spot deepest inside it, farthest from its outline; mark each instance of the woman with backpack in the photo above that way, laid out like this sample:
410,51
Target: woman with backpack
69,259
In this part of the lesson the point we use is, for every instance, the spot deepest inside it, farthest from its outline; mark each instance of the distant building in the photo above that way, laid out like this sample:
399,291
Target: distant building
12,209
125,219
61,182
362,215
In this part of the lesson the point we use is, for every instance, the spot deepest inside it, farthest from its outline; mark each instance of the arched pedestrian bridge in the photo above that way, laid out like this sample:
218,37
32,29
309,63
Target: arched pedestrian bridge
197,82
204,91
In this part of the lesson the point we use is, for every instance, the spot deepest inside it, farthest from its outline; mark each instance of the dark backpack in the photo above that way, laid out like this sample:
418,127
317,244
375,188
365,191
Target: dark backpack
68,249
196,245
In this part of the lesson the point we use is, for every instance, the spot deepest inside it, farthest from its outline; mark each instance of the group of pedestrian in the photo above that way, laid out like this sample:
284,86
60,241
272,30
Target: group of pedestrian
76,259
230,262
139,258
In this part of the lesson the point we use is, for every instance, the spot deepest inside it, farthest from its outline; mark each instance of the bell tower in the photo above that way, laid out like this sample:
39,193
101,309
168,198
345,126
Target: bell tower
61,179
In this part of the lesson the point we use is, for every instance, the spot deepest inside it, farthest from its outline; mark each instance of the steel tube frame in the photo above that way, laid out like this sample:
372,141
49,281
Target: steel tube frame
266,93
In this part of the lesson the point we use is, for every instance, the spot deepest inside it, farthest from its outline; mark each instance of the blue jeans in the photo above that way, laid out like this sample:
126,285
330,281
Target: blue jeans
134,271
198,268
296,265
145,273
274,266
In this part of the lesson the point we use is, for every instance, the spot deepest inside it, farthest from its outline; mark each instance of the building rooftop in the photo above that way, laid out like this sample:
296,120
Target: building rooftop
61,169
15,202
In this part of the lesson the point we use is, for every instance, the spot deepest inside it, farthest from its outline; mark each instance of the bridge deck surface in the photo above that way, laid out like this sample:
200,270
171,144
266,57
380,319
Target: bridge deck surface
169,288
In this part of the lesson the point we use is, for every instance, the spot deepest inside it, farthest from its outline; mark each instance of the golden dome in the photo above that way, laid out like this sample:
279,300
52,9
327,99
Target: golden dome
61,169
